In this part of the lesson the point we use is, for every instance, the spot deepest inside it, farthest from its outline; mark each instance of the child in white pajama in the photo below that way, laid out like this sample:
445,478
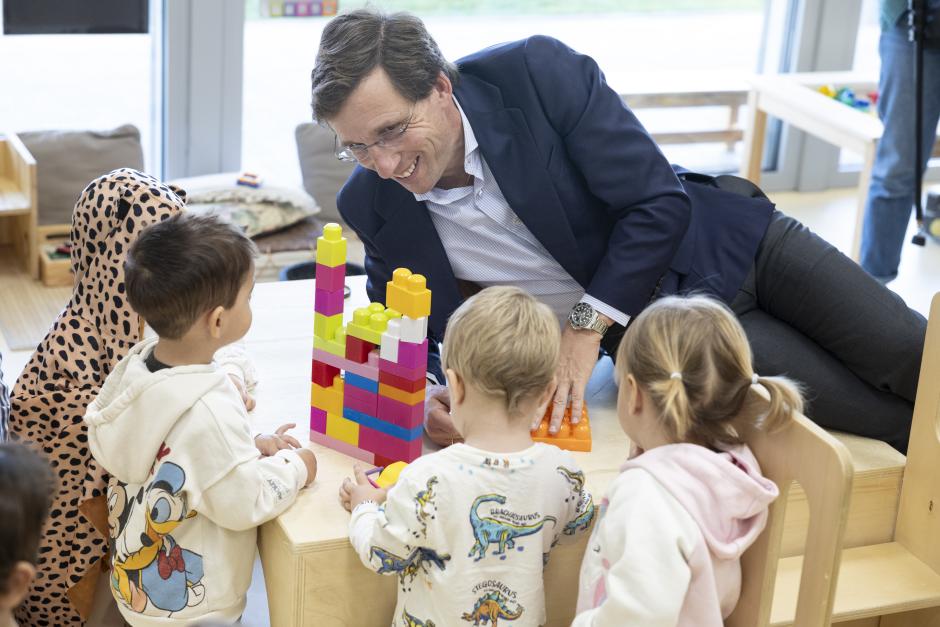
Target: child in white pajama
468,530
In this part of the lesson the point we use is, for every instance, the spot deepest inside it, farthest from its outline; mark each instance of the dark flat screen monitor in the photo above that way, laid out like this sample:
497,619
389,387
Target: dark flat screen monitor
74,17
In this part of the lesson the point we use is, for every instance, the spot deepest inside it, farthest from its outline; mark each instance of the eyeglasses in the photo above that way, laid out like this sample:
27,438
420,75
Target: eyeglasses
387,138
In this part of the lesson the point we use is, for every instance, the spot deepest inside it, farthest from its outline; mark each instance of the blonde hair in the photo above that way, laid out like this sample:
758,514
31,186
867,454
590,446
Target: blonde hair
692,357
504,343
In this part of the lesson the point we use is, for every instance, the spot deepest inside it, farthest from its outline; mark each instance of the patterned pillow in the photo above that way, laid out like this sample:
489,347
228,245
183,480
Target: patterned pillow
256,210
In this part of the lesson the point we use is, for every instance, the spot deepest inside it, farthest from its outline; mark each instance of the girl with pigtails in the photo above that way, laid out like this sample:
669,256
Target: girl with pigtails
691,499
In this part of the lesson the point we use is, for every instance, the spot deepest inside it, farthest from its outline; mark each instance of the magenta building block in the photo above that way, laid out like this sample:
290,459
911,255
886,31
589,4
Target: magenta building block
413,355
401,371
369,439
331,279
318,419
360,400
397,413
328,303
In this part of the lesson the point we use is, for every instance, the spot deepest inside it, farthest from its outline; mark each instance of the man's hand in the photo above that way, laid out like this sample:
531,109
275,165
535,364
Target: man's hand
437,421
579,349
269,444
242,391
353,493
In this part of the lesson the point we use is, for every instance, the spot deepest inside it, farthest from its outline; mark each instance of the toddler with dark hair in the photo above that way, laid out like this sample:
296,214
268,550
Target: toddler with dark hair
26,489
188,487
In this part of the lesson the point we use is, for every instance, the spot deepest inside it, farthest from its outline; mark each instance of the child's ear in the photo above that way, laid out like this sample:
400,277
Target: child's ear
17,585
457,387
635,397
215,321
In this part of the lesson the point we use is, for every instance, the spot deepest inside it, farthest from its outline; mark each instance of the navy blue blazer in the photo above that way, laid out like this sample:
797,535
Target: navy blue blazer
585,178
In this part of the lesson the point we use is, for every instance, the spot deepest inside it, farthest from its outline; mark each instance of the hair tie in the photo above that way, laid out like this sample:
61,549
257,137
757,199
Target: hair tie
676,375
754,379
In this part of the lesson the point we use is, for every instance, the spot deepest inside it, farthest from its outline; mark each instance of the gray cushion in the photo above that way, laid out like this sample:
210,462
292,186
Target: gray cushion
67,160
323,174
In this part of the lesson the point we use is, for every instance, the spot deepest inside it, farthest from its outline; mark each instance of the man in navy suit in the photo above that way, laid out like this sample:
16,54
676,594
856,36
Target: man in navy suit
519,165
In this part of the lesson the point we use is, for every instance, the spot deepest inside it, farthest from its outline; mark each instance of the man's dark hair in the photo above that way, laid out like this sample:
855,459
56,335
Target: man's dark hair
26,487
180,268
354,44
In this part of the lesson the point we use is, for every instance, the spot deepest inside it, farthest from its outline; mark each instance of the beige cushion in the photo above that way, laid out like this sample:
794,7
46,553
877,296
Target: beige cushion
323,174
66,161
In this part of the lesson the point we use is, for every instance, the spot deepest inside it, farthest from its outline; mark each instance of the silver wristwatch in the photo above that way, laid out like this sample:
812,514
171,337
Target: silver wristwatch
583,316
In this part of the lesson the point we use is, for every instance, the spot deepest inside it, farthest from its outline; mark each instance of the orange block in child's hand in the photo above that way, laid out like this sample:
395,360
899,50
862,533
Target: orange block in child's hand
570,437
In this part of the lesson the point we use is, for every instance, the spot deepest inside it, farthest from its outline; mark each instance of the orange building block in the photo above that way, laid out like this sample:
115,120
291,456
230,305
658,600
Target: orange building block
402,396
569,437
408,293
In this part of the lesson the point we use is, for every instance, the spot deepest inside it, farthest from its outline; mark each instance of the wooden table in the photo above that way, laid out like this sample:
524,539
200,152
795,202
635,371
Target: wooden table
793,98
312,575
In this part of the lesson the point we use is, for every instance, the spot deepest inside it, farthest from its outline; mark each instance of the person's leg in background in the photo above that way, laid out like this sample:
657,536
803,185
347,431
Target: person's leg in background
891,194
852,342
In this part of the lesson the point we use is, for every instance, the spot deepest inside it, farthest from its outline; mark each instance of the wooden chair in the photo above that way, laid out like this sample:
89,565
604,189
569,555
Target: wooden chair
898,581
805,453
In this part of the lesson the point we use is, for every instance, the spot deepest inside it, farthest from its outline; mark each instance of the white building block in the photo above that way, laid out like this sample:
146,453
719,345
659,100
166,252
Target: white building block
388,350
414,330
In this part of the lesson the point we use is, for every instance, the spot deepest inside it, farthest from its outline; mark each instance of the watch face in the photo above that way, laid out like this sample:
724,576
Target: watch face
581,315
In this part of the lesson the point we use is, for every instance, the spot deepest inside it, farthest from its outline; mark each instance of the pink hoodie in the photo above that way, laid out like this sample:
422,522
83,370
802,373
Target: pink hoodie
725,499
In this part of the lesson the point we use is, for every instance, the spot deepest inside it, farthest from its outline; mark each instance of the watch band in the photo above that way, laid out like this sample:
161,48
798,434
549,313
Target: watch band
599,326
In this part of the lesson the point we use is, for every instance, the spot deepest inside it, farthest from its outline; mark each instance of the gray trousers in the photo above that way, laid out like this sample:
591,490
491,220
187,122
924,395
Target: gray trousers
813,314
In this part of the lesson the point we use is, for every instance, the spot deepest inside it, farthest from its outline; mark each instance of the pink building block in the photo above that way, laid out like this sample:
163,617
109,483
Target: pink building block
317,420
398,370
369,370
328,303
331,279
384,445
413,355
360,400
342,447
397,413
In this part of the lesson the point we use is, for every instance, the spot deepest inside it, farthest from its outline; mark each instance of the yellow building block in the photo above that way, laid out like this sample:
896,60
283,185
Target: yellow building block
368,323
336,346
331,246
328,399
408,293
342,429
402,396
326,326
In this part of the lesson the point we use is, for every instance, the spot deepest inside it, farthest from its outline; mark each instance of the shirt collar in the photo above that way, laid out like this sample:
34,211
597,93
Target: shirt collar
472,162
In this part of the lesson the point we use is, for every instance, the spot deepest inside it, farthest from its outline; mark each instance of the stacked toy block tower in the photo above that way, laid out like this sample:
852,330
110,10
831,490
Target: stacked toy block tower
368,377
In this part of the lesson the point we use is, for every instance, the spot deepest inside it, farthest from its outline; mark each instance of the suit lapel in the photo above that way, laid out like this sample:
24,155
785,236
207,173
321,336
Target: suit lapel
509,149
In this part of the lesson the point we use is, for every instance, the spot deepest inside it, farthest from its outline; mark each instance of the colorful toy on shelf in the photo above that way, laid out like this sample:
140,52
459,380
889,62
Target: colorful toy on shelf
298,8
570,437
375,411
847,96
249,179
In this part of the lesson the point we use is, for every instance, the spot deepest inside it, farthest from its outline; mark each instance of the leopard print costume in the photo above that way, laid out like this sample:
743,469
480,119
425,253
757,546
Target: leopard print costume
93,332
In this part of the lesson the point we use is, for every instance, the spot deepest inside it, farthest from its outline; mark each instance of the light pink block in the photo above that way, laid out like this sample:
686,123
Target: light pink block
342,447
317,419
397,413
328,303
413,355
400,371
369,370
360,400
330,278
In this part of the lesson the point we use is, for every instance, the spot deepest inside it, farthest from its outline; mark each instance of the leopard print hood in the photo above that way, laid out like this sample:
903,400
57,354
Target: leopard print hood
93,333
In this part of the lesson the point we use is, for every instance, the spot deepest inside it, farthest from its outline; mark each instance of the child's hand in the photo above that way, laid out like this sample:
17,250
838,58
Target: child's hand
270,444
352,494
242,391
310,461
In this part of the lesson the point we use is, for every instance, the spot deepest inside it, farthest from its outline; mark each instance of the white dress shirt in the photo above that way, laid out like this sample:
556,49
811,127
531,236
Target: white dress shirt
488,244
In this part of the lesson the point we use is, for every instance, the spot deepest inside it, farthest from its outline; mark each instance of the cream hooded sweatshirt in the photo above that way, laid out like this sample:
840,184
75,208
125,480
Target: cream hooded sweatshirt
188,489
666,552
